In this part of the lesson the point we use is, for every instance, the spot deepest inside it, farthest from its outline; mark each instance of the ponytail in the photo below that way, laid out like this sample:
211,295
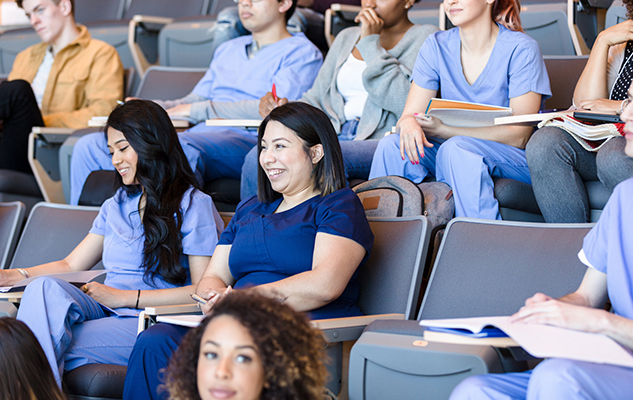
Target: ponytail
506,12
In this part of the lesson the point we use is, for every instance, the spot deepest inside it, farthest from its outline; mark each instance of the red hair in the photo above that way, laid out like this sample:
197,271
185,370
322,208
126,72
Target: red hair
506,12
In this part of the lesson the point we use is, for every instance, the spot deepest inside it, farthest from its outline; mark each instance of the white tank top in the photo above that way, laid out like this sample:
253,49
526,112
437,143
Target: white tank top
350,85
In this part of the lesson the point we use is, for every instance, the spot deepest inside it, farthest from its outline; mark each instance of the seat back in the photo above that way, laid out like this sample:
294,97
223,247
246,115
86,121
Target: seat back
425,13
51,232
87,11
114,33
11,43
390,280
189,43
615,14
11,219
547,24
166,8
564,72
166,83
489,268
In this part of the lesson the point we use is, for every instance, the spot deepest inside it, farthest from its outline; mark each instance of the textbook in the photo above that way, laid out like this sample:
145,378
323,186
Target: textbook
465,114
178,122
544,341
76,278
590,136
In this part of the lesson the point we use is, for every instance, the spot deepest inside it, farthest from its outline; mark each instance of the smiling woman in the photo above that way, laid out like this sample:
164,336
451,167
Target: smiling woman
155,236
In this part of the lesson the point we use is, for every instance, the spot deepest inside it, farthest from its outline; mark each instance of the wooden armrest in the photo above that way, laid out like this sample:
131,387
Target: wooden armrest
140,62
13,297
344,329
346,7
58,131
247,123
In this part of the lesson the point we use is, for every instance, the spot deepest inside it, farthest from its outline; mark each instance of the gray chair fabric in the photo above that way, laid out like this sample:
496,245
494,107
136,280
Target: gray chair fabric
87,11
547,24
11,220
19,186
167,83
564,72
166,8
483,268
615,14
115,33
51,232
11,43
189,43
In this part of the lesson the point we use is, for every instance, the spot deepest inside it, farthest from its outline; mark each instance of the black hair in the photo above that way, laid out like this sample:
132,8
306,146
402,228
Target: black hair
291,10
164,175
25,372
313,127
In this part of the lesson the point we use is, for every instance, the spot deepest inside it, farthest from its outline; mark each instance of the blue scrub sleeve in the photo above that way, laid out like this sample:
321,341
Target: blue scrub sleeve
99,224
426,69
297,72
527,72
343,215
199,226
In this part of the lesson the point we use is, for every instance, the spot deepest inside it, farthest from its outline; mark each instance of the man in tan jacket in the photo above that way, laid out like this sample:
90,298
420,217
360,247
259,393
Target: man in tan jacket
62,82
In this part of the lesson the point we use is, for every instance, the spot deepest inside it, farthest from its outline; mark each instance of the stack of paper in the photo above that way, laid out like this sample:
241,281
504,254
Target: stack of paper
591,137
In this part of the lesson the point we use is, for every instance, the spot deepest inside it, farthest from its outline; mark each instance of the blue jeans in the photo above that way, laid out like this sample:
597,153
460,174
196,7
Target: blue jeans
357,156
559,165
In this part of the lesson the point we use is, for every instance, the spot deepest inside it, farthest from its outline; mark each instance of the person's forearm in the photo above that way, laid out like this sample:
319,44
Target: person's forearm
188,99
245,109
617,328
592,83
208,284
13,276
159,297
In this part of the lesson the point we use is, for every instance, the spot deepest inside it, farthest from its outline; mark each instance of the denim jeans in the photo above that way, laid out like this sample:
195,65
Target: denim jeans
559,166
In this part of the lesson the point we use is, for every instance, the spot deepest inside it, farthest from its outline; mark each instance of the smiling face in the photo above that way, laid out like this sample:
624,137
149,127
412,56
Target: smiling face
261,15
124,158
464,12
627,117
47,18
285,160
229,364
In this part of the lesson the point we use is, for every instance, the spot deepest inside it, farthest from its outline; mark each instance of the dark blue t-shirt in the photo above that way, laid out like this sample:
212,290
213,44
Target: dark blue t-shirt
268,247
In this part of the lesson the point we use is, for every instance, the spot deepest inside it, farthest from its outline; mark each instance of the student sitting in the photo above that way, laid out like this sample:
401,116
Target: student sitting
250,347
362,86
62,82
485,59
558,164
155,237
608,253
302,239
24,370
242,69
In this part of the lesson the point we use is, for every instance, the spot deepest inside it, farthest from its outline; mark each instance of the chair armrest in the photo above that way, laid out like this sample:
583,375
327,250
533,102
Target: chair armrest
148,317
13,297
346,8
57,131
344,329
156,24
43,156
247,123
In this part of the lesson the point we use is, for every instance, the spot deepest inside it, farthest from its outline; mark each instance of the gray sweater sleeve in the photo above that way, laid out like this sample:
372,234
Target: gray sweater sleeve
387,77
188,99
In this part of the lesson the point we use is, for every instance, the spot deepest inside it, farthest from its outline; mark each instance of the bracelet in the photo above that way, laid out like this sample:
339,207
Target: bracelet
24,272
138,296
625,103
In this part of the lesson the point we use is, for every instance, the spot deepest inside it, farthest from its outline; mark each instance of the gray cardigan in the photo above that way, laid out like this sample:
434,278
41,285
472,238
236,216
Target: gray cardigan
387,80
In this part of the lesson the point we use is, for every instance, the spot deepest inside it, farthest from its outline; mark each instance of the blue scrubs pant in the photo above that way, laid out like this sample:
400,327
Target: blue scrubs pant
466,164
555,379
357,155
72,328
151,354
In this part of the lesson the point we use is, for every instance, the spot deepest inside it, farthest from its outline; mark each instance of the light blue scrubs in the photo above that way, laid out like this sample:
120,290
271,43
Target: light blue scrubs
74,329
291,64
515,67
608,249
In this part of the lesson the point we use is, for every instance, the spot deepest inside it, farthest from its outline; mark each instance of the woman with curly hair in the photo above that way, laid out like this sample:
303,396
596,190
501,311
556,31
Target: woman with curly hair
24,370
249,347
155,237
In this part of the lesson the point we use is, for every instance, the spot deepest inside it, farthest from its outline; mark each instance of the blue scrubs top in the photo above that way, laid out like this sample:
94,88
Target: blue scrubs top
268,247
608,247
120,224
515,67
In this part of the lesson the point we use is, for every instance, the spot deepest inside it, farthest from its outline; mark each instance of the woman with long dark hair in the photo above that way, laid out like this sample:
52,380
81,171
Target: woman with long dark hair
155,237
249,347
24,371
486,59
302,240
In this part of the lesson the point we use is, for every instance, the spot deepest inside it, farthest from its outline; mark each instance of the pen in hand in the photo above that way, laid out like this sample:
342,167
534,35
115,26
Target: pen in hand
198,298
274,91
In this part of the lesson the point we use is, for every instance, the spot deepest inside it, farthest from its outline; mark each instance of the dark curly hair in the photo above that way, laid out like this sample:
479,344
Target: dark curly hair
164,173
291,351
25,372
629,8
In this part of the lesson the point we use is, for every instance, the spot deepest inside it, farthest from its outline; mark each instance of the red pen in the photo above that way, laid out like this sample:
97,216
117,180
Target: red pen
275,93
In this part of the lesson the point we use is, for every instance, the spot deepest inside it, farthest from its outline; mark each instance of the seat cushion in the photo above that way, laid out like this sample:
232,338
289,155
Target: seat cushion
19,183
96,380
516,195
98,188
598,194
